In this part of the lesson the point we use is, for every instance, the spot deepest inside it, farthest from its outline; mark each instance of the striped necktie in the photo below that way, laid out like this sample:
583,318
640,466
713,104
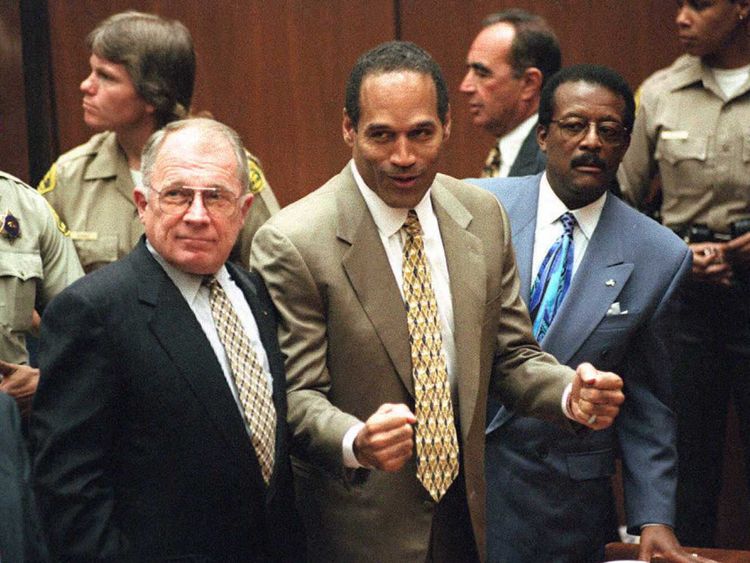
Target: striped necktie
492,164
553,280
435,435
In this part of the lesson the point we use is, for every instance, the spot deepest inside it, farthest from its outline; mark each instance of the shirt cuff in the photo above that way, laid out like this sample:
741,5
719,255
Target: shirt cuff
347,447
565,400
646,525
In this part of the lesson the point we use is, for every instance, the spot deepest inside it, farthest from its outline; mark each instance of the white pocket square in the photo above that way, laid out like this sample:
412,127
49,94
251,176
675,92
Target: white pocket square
615,311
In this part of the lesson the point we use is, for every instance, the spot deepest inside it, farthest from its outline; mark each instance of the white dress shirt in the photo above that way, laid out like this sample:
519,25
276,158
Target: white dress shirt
197,297
549,227
510,144
389,221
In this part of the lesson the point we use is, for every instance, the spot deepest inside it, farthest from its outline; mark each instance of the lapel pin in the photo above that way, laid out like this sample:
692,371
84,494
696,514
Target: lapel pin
610,283
11,228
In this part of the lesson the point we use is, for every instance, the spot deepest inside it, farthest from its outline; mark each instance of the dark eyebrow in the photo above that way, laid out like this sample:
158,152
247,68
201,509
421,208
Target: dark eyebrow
479,67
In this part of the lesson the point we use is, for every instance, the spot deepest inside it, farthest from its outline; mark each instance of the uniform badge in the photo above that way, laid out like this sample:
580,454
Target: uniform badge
11,228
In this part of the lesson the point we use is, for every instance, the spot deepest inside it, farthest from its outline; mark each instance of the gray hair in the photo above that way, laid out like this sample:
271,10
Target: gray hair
205,127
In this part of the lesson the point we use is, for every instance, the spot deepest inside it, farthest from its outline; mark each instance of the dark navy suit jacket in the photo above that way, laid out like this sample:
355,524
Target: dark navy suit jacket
141,453
549,495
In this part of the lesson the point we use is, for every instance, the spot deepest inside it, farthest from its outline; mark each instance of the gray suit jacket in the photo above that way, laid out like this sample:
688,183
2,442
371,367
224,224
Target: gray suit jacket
548,490
530,159
343,329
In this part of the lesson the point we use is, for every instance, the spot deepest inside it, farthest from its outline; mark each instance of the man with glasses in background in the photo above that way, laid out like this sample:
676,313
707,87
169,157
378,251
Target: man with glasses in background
159,429
598,277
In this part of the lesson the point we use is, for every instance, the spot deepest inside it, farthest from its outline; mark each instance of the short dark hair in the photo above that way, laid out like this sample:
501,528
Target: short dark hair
534,43
592,74
391,57
158,55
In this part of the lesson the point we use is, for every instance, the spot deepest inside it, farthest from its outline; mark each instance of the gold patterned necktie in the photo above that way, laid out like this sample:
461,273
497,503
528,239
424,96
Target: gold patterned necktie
492,164
436,440
249,377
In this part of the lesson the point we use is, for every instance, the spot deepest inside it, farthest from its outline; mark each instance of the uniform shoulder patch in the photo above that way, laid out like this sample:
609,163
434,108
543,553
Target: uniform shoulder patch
59,222
49,182
257,179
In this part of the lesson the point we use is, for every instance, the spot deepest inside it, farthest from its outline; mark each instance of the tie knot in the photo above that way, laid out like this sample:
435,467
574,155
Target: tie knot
209,281
411,225
569,222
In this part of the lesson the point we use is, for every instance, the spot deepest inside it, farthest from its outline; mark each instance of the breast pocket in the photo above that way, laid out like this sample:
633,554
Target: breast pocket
94,249
682,161
20,274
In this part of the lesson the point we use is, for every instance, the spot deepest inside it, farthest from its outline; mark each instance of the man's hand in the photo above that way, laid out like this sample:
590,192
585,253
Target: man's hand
710,264
386,440
20,382
660,540
596,397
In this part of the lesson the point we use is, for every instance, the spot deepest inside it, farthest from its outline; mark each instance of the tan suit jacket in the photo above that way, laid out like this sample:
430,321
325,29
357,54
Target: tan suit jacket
343,329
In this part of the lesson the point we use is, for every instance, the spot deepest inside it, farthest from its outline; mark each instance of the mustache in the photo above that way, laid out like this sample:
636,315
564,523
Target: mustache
588,159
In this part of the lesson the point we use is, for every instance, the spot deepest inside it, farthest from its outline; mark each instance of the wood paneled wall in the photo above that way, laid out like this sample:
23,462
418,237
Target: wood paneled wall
275,70
14,157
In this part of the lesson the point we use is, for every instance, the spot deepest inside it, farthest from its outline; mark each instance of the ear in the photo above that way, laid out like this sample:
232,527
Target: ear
141,201
541,137
532,83
447,124
245,206
348,130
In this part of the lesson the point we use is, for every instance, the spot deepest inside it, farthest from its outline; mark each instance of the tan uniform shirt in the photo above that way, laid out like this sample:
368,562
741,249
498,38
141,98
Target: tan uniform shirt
698,139
37,261
92,190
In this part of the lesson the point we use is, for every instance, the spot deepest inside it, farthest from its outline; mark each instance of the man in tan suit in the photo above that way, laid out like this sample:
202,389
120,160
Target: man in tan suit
333,265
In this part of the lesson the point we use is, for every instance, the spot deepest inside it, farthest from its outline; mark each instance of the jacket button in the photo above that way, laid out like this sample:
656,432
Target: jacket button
542,451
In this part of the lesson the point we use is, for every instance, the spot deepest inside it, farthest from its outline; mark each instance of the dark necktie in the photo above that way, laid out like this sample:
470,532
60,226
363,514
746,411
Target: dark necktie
553,280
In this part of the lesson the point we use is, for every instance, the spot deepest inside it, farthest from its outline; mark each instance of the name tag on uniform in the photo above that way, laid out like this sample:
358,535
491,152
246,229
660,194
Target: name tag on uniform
84,235
674,135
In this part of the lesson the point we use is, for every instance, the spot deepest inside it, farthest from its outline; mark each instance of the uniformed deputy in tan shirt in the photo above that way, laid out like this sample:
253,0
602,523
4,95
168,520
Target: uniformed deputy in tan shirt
698,139
37,261
142,77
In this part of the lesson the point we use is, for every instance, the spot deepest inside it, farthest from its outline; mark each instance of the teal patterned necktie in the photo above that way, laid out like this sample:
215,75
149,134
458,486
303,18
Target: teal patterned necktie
553,280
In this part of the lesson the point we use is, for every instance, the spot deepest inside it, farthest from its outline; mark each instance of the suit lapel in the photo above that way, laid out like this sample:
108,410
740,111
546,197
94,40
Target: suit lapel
521,208
371,277
178,332
530,159
600,278
466,267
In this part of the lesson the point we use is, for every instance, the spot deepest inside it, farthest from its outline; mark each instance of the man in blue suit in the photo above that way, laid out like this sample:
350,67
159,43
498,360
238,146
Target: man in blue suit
598,295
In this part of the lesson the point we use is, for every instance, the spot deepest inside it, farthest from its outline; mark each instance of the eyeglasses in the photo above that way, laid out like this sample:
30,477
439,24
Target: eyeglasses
217,201
575,128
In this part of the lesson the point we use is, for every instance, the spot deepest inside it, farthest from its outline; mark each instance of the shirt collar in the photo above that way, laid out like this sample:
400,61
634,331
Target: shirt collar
389,220
550,208
188,284
510,144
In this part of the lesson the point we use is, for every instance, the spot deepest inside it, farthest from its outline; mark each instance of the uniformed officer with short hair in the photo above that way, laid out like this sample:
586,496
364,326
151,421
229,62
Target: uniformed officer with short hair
37,261
142,77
